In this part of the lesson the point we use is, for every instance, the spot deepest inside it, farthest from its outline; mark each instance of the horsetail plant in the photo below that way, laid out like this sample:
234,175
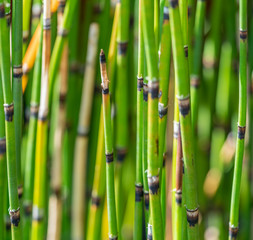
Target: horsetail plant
14,209
110,188
39,193
138,221
31,143
234,208
183,96
121,102
153,146
17,84
81,147
98,190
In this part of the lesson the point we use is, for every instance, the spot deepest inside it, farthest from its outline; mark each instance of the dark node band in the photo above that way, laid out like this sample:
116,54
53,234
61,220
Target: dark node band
113,238
186,51
25,37
2,11
162,111
241,132
97,9
61,5
2,145
173,3
122,48
178,196
8,112
20,191
43,117
233,231
8,18
74,67
192,216
153,184
82,132
57,192
47,24
109,157
28,209
243,34
189,12
145,92
95,201
139,83
146,200
166,15
8,224
195,81
62,98
17,71
153,89
102,58
184,106
105,91
15,217
138,193
121,154
34,109
62,32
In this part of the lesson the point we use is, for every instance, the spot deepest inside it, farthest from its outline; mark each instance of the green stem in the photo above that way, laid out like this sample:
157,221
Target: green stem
234,208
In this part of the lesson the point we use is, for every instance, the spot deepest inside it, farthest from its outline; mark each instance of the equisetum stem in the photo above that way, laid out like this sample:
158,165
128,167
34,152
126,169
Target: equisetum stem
82,139
17,20
14,210
39,194
183,96
234,208
139,136
110,189
153,145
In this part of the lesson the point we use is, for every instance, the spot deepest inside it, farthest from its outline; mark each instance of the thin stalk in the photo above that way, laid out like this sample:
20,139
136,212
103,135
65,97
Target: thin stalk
138,221
98,190
3,177
39,193
17,20
197,59
110,189
122,127
81,145
31,144
27,4
183,96
14,210
164,74
234,208
70,11
153,146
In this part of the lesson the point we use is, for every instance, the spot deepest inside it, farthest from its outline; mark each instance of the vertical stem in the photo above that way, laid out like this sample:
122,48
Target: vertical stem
153,146
138,221
234,208
183,96
112,222
14,210
17,20
39,194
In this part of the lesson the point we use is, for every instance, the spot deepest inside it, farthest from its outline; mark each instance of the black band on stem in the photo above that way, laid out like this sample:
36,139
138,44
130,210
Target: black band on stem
195,81
233,232
109,157
138,192
17,71
2,145
173,3
15,216
153,184
192,216
178,196
153,88
145,92
2,10
146,200
186,51
243,34
184,105
8,112
121,154
95,201
122,48
139,83
241,132
105,91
